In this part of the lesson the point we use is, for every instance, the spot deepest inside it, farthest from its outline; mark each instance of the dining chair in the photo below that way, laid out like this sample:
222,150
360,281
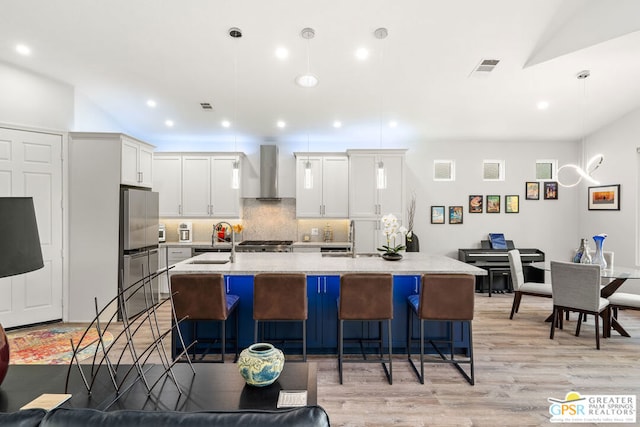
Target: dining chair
624,301
202,297
520,287
576,287
366,297
280,297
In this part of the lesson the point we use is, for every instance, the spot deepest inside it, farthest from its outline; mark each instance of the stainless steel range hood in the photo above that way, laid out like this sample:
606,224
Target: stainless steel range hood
269,173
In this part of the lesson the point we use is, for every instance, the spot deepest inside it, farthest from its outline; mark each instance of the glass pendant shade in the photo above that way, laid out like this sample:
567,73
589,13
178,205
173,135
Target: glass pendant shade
381,176
235,175
308,176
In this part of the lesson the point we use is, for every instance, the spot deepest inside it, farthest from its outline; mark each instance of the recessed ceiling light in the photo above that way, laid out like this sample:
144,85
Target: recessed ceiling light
23,49
282,53
337,124
169,123
393,124
226,123
362,54
542,105
307,80
281,124
151,103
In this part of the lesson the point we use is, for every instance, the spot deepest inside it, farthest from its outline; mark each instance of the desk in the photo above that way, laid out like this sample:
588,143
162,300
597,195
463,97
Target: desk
619,276
214,387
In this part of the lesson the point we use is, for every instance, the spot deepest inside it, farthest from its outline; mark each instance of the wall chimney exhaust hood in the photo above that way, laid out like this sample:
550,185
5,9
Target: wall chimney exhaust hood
269,173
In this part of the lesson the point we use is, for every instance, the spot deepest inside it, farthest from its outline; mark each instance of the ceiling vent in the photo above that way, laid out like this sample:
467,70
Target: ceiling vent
206,106
485,66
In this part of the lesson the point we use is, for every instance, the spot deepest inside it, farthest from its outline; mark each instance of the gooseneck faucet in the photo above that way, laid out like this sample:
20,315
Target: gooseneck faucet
214,237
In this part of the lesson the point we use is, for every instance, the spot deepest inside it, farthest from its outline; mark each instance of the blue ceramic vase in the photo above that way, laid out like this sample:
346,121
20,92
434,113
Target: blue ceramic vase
598,258
260,364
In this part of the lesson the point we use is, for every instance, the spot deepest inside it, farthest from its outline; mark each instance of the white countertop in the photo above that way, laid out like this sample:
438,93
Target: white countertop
250,263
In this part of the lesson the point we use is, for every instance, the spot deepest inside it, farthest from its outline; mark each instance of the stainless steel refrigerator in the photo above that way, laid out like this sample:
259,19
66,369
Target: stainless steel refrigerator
138,248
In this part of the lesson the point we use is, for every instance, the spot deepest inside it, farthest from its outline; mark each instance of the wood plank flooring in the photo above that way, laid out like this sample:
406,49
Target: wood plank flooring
517,368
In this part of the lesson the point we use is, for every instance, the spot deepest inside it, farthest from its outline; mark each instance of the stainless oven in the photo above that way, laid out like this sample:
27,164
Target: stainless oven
264,246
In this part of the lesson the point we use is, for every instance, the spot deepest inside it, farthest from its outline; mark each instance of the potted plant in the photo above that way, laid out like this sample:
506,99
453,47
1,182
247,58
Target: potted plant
391,228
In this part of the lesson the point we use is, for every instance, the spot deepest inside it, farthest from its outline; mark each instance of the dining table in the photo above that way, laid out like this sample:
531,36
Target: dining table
618,276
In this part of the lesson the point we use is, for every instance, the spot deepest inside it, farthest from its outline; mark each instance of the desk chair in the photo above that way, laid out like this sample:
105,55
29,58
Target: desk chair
443,297
280,298
520,287
576,287
202,297
366,297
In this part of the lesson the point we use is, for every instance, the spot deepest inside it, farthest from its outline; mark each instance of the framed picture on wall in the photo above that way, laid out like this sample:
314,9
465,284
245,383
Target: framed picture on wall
551,190
475,204
604,198
493,204
455,214
512,204
437,214
532,191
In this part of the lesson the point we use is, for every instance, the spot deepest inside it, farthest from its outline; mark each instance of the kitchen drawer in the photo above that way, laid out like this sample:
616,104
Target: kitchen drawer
178,254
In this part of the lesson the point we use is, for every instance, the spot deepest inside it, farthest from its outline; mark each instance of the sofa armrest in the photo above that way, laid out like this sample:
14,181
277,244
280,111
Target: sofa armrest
309,416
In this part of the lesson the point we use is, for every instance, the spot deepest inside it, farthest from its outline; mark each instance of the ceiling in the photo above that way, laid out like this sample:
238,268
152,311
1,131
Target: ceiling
120,53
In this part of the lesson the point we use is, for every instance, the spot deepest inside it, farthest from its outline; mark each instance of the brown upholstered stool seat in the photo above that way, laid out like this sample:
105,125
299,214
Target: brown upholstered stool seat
366,297
202,297
280,297
443,297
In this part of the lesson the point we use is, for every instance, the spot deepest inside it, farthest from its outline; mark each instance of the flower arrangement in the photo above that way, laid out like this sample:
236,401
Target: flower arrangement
391,228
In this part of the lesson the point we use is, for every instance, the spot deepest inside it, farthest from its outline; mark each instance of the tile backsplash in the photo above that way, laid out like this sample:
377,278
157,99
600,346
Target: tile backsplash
264,220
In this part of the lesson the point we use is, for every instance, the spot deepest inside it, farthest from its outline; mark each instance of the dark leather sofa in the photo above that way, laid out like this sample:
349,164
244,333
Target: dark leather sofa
309,416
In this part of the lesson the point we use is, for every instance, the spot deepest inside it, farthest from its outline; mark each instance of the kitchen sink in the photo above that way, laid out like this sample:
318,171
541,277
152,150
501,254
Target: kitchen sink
209,261
348,255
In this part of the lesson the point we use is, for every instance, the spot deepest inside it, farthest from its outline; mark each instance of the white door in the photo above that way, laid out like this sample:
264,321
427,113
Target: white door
31,166
309,200
363,200
225,200
391,199
196,186
167,181
129,162
145,166
335,187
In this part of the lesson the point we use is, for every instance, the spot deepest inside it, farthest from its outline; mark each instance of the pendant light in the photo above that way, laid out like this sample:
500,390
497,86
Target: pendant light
593,163
381,175
308,175
307,80
235,33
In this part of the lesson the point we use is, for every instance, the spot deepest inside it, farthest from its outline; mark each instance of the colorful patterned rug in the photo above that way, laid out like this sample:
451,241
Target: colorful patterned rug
51,346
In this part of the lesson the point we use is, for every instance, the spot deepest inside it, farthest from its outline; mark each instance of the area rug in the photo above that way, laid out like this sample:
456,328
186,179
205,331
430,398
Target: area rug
51,346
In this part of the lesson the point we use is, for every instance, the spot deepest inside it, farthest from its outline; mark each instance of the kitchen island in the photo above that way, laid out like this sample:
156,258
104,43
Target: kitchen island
323,284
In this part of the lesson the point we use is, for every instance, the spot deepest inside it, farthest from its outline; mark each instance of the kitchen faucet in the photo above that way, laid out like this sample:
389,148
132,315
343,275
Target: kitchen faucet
214,237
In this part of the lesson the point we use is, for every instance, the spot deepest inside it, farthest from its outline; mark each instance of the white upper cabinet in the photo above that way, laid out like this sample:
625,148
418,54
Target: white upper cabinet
366,200
327,196
137,163
196,185
167,181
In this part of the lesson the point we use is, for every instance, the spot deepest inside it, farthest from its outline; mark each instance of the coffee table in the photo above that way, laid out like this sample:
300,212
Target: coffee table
215,386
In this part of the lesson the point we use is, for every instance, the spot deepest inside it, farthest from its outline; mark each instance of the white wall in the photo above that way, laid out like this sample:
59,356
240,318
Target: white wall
88,117
31,100
618,142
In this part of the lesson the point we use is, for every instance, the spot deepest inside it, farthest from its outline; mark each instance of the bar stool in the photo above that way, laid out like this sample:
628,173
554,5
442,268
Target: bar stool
443,297
202,297
366,297
280,298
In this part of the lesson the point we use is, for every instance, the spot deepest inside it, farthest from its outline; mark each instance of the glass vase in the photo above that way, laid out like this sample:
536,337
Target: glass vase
599,256
584,246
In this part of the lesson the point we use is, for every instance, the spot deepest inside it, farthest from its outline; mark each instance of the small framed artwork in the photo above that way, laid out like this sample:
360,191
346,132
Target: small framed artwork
551,190
455,214
604,198
532,191
512,204
475,204
493,204
437,214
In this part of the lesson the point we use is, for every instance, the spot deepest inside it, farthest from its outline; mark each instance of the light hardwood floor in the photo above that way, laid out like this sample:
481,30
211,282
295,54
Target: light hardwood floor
517,368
